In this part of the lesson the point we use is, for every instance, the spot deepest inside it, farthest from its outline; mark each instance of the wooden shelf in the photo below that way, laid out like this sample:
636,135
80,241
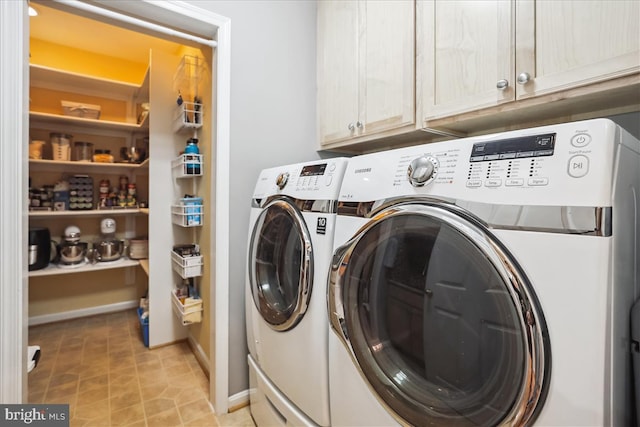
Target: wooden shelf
53,269
58,119
144,263
84,167
47,77
92,212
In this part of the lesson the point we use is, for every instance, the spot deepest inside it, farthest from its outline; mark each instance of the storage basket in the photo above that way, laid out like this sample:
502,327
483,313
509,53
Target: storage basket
188,115
144,327
187,166
78,109
139,248
188,213
190,266
188,312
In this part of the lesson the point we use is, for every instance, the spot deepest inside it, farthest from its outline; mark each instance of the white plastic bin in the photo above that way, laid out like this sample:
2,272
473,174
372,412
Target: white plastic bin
188,312
188,212
190,266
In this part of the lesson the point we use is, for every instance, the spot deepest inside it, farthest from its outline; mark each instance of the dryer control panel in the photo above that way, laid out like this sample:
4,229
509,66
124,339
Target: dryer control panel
570,164
523,161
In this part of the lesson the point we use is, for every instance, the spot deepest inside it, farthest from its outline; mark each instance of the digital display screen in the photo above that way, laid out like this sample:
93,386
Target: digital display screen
313,170
514,148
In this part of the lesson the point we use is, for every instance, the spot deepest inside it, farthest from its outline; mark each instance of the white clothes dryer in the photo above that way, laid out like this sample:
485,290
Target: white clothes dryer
487,281
289,253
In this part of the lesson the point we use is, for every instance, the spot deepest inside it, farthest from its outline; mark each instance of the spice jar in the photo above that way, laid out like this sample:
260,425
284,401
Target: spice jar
104,193
132,197
102,156
124,182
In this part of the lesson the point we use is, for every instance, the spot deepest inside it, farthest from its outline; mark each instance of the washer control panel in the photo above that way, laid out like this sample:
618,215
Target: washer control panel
316,180
314,176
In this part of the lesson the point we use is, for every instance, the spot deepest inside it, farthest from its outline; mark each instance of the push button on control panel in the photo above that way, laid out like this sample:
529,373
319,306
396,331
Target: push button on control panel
538,182
578,166
580,140
493,183
514,182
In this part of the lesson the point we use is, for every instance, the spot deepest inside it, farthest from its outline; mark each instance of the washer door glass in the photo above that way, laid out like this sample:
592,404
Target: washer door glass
434,321
280,265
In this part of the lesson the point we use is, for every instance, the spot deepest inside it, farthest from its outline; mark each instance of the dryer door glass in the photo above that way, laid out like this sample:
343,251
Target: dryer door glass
435,324
280,265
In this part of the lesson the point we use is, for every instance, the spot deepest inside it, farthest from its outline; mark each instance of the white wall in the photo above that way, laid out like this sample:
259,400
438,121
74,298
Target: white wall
273,120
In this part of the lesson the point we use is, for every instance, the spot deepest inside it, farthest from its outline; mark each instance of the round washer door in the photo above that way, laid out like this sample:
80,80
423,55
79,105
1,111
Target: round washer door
440,320
281,265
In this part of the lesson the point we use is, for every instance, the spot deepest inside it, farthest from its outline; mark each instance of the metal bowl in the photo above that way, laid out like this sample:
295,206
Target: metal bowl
132,154
109,250
73,253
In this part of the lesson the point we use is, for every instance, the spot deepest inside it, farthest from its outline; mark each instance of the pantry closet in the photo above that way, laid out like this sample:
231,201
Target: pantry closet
77,66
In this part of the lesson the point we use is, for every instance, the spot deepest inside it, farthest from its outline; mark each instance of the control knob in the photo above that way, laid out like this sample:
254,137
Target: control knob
282,179
422,170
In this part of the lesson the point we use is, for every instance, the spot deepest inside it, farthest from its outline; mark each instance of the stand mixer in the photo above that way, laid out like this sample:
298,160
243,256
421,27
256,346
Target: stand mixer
108,248
72,251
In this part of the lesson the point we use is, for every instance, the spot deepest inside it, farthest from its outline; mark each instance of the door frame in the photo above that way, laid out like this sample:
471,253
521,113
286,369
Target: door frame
14,121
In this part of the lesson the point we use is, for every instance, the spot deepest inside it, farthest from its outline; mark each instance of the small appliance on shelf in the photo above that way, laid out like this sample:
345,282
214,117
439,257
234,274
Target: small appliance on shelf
72,252
108,248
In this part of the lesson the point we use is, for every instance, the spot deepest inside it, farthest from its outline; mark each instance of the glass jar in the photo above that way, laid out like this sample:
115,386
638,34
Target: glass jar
82,151
102,156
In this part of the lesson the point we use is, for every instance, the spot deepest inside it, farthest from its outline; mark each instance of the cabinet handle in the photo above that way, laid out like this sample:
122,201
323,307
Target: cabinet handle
359,124
502,84
523,78
351,126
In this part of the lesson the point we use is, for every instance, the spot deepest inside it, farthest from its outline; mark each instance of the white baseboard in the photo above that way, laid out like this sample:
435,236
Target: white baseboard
199,353
83,312
239,400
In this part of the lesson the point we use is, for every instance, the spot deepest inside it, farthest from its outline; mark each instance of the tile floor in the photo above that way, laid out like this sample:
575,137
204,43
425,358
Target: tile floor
101,368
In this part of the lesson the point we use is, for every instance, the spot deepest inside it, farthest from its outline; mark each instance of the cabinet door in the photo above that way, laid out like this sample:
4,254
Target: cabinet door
575,43
464,50
337,70
387,65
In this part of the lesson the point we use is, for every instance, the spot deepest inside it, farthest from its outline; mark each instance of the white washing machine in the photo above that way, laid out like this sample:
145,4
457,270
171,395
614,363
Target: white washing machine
289,254
487,281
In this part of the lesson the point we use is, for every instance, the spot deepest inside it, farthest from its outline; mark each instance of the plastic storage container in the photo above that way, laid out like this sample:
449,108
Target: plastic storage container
188,312
144,327
189,266
61,146
103,156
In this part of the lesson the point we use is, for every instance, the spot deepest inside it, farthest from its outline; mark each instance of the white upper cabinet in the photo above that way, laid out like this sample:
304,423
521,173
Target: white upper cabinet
479,54
337,69
576,43
366,69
